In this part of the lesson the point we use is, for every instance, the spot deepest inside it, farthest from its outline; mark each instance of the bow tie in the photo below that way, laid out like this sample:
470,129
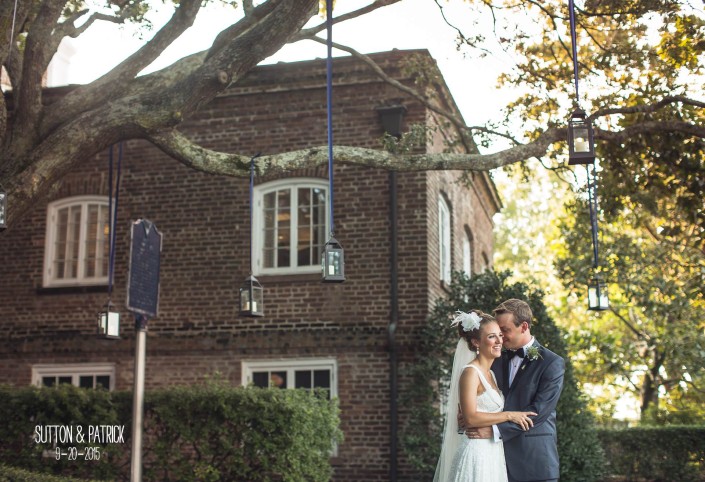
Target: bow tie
512,353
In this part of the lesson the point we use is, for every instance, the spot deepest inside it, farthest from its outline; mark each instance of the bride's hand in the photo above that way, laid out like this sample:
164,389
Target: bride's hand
522,419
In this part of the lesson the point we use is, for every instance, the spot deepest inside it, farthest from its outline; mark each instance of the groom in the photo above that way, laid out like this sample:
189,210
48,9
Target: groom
531,378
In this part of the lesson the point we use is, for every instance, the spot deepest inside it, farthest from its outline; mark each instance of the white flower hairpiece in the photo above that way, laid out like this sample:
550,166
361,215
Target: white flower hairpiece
470,321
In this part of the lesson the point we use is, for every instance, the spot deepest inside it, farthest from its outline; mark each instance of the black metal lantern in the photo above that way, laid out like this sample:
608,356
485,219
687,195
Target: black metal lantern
333,262
3,209
597,295
392,117
581,142
251,298
109,322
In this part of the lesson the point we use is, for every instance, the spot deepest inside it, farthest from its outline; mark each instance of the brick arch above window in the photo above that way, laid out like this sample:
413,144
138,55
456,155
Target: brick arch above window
316,172
290,226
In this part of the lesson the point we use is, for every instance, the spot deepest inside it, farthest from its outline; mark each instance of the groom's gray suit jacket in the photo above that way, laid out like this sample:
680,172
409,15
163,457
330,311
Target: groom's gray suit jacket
531,455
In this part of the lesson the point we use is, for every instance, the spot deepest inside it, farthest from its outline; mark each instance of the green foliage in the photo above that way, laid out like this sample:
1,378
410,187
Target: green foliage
24,409
13,474
579,450
651,343
675,453
200,433
414,139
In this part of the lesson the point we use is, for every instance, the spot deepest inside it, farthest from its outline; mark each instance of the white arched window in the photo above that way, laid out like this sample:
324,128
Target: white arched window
77,246
290,226
444,239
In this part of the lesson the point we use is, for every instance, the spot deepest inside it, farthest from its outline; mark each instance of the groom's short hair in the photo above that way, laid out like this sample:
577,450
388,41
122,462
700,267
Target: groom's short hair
520,309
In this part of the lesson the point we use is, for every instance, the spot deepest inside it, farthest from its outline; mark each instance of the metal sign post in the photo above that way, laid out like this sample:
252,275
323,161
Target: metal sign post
142,300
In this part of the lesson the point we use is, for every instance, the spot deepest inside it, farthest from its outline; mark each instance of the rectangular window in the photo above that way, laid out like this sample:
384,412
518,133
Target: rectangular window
296,373
100,375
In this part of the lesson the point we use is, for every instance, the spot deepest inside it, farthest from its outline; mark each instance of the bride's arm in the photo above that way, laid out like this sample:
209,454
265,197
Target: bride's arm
469,386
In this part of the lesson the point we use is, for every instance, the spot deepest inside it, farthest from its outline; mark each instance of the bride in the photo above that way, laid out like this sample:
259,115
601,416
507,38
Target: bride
476,399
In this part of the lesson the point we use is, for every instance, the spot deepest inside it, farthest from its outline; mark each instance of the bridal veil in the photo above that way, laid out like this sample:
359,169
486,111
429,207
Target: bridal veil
451,437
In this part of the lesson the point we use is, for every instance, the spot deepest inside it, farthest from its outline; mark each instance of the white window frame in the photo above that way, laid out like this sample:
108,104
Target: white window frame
83,202
467,255
73,370
290,366
258,224
444,246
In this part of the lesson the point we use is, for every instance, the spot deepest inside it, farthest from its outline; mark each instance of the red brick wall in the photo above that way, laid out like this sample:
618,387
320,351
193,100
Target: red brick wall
204,220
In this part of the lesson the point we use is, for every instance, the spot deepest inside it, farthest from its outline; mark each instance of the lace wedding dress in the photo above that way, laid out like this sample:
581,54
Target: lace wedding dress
481,460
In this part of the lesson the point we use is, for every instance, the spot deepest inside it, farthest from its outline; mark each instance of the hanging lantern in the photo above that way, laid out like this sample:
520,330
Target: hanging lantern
3,209
581,142
109,322
333,262
597,295
392,118
251,298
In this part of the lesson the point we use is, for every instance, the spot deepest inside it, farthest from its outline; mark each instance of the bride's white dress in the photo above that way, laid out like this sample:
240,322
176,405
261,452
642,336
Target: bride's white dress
481,460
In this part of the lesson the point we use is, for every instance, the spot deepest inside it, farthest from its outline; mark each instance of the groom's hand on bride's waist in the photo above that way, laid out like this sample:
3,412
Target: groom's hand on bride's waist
481,432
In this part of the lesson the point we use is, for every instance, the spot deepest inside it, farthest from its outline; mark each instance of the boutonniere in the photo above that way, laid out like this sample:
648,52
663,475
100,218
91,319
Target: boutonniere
533,353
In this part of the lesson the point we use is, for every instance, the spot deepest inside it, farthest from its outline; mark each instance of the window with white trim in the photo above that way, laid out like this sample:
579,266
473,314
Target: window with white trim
77,245
294,373
467,255
81,375
290,226
444,239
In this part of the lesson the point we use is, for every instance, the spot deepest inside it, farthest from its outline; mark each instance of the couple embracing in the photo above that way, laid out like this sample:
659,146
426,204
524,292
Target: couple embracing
504,389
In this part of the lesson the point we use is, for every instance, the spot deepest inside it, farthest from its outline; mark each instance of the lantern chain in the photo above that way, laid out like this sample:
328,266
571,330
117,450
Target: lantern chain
329,102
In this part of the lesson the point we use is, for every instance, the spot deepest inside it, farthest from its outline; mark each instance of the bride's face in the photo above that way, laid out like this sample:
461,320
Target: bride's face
490,340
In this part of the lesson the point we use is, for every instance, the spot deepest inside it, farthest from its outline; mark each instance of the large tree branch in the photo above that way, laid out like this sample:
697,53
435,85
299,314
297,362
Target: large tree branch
196,157
118,79
240,55
252,17
37,54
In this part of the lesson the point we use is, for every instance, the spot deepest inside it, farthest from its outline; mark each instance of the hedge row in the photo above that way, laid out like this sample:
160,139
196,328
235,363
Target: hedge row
672,453
198,433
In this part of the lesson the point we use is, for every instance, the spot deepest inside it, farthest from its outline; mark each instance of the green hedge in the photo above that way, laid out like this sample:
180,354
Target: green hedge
200,433
13,474
672,453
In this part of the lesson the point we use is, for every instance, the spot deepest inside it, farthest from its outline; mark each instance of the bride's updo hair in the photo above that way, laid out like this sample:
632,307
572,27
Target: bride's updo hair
468,328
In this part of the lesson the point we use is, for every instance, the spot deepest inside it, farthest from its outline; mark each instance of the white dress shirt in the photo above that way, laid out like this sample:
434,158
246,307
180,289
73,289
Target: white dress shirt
514,365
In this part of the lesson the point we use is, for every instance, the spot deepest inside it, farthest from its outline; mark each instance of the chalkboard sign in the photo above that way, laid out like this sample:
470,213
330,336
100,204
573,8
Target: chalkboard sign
143,279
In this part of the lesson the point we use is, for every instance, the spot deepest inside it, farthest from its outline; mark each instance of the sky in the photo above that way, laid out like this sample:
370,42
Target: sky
411,24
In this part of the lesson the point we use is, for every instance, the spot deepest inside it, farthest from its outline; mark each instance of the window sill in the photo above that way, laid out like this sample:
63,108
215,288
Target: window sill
289,278
71,290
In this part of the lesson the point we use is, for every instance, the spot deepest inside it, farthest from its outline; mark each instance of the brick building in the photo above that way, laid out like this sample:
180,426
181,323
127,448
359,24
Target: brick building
54,277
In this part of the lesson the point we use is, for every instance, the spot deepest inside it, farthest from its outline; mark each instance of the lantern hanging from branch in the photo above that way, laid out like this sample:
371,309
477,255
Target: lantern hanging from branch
581,142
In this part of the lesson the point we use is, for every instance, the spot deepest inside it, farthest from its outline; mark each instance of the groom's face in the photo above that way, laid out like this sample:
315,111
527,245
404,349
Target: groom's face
514,336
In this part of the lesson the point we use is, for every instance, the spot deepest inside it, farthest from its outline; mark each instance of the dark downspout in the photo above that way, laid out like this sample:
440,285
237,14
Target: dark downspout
393,319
